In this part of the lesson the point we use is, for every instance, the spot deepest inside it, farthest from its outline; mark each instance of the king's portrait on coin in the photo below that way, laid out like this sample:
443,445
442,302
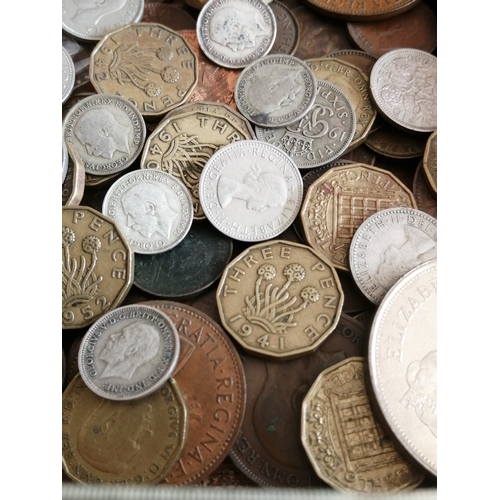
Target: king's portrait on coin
129,349
101,134
90,12
147,210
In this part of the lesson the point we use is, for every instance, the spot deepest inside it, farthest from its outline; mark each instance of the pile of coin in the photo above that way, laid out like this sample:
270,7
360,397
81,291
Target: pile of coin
249,244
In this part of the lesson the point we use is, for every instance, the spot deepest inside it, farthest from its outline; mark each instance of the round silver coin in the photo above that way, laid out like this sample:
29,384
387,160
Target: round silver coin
403,84
92,19
402,362
250,190
65,161
387,245
129,352
234,33
275,91
68,75
322,135
108,132
153,209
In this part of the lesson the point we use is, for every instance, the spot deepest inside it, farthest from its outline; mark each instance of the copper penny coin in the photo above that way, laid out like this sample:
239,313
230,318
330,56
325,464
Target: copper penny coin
415,28
287,30
268,449
211,376
171,16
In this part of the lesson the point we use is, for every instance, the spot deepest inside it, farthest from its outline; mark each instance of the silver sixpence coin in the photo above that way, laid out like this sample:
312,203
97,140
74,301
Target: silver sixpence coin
389,244
250,190
322,135
402,362
153,210
108,132
275,91
92,19
234,33
68,75
65,161
403,84
129,352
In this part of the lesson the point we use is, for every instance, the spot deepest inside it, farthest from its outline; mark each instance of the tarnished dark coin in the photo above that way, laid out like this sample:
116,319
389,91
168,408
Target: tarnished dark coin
287,30
268,449
211,376
189,268
168,15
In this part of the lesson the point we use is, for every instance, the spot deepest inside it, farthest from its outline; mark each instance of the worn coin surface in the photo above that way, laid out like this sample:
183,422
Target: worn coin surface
275,90
403,85
279,299
107,131
322,135
121,442
287,30
92,20
147,63
429,161
213,382
152,208
402,361
171,16
65,160
129,352
250,190
68,75
73,184
269,449
358,58
341,199
344,441
97,266
387,245
234,33
425,197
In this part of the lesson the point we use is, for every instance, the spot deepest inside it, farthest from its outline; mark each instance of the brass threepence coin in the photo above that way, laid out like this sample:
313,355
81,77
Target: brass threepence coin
341,199
345,442
234,33
367,10
92,20
358,58
425,197
182,144
149,64
402,361
429,160
250,191
287,30
322,135
97,266
269,449
107,131
213,382
354,84
279,299
413,29
275,90
389,244
153,209
121,442
68,75
403,84
129,352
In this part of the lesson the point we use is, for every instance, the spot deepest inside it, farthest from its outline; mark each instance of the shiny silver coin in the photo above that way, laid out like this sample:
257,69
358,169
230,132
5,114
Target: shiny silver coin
129,352
275,91
91,20
68,75
65,161
234,33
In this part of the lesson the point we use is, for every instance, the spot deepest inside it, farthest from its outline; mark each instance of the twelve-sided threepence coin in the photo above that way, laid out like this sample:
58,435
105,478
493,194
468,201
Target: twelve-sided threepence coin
129,352
322,135
107,131
387,245
68,75
153,209
234,33
403,84
92,20
275,91
250,190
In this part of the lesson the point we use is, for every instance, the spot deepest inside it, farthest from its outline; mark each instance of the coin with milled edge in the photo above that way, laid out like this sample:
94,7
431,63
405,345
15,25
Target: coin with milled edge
68,75
234,33
402,361
275,90
387,245
129,352
65,160
250,190
152,208
107,131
